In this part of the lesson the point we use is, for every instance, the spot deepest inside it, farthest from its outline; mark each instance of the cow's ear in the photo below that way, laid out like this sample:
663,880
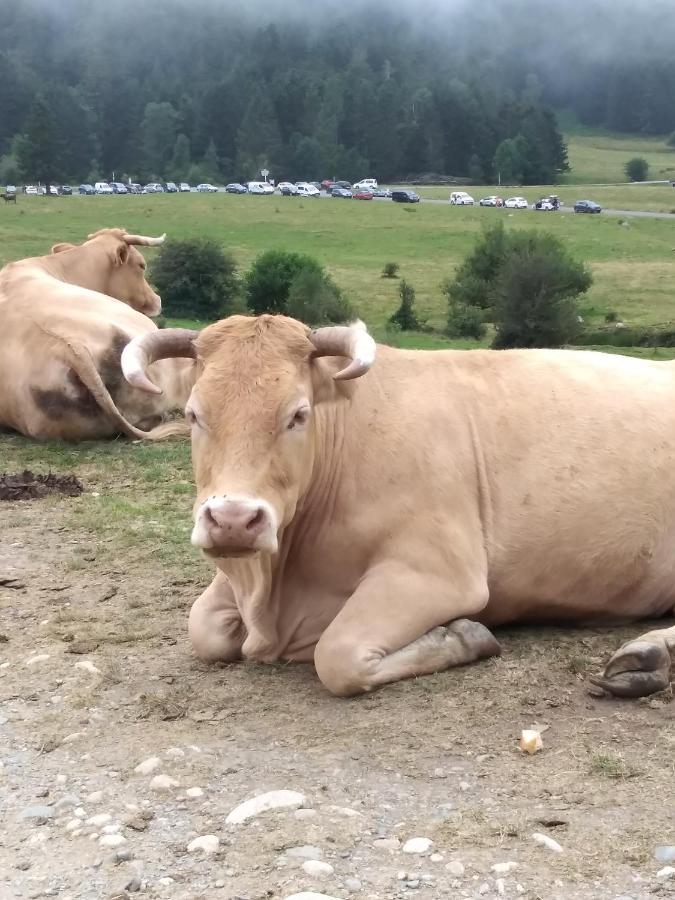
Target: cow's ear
121,254
59,248
324,386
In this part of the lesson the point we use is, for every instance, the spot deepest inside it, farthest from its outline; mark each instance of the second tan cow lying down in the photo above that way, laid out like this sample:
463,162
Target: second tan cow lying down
379,523
64,321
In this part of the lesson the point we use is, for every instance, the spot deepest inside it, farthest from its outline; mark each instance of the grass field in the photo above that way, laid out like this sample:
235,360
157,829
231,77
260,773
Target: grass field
633,263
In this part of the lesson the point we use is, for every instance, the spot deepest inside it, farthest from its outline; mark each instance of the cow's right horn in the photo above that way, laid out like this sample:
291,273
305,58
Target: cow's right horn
148,348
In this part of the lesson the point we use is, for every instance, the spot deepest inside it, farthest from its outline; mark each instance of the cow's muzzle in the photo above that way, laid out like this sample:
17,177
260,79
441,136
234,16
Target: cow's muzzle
235,526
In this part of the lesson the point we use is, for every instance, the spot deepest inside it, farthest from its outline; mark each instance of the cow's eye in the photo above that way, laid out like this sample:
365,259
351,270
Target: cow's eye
190,417
299,418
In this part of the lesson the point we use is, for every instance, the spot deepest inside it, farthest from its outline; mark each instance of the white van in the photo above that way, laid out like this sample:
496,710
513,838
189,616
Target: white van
461,198
102,187
364,184
303,189
260,187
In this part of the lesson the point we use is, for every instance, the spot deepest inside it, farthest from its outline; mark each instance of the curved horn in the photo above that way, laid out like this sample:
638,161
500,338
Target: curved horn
144,241
350,341
148,348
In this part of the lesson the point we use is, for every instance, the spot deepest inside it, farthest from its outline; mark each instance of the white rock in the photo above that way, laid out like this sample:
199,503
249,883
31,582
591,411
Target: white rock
387,843
79,812
484,889
73,736
310,895
100,819
264,802
417,845
500,885
666,872
207,843
113,828
194,792
436,857
530,741
306,851
166,880
345,811
61,779
148,766
174,752
95,797
317,869
38,658
112,840
73,824
546,841
504,868
455,868
163,783
87,666
305,813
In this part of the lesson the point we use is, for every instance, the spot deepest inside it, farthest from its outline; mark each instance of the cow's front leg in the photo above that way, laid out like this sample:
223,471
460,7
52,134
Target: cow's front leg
215,627
641,667
394,627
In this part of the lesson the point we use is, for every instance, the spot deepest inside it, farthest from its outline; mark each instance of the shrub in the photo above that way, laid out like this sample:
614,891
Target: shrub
390,270
611,316
196,279
637,169
315,299
474,282
269,279
465,322
405,316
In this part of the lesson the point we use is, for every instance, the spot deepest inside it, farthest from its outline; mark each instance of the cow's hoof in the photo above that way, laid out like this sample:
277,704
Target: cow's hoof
639,668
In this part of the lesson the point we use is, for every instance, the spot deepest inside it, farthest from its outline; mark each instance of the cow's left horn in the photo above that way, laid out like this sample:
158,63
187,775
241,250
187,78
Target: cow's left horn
148,348
351,341
144,241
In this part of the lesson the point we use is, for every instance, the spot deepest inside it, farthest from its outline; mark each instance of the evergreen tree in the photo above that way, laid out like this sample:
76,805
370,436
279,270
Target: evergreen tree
159,130
405,316
180,161
40,150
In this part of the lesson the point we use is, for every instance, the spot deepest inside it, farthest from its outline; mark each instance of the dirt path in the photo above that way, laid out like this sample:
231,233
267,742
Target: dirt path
96,676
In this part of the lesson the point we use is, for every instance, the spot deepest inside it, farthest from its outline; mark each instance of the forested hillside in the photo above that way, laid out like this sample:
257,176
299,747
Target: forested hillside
204,91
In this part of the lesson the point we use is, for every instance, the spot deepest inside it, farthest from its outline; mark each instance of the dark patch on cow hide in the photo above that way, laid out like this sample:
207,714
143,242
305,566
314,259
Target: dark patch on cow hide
28,486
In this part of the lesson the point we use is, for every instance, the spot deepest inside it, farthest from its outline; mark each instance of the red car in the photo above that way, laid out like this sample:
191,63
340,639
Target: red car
327,185
363,195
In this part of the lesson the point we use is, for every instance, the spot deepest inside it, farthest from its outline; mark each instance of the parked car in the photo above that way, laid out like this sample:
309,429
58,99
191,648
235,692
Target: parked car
543,205
364,184
153,188
260,187
206,188
184,187
343,184
327,185
515,203
53,190
305,189
405,197
492,200
315,184
287,189
235,188
118,187
171,187
10,189
341,192
587,206
64,190
363,194
34,191
102,187
134,188
461,198
381,192
86,189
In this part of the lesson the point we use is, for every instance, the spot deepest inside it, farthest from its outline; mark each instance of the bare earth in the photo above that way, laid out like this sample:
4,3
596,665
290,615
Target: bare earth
437,757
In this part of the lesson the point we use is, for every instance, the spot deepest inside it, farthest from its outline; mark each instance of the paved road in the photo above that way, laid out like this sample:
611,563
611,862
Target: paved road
637,213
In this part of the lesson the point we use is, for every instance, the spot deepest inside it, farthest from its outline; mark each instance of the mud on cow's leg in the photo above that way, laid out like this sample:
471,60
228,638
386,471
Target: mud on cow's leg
380,637
215,627
641,667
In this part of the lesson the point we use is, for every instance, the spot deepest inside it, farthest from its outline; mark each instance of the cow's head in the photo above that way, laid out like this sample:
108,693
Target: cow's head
115,267
253,417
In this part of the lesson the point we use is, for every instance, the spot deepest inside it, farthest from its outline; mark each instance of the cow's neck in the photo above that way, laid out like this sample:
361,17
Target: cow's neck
85,267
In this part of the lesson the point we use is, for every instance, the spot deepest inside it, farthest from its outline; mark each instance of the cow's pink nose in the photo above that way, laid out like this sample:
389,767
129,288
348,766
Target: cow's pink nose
234,525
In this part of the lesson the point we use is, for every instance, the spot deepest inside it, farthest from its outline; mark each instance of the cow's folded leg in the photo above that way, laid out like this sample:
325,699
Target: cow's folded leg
381,636
641,667
215,627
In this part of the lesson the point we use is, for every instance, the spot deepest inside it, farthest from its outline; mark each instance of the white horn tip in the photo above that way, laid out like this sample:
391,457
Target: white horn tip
138,379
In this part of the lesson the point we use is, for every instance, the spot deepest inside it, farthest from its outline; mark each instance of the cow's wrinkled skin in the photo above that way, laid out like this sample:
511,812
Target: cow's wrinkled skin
379,527
63,331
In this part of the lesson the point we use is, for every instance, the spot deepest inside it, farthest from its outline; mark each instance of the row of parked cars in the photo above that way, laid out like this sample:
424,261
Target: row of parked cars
545,204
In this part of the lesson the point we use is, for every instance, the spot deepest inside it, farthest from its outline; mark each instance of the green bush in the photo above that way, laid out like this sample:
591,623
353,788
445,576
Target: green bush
390,270
637,169
268,282
196,279
314,298
474,281
611,316
465,322
628,337
405,316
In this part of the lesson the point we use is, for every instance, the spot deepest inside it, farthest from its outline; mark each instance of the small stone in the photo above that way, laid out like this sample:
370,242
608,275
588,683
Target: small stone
133,886
412,883
88,666
455,868
464,786
148,766
61,779
166,880
95,797
548,842
123,856
38,812
220,883
113,828
38,658
72,737
64,802
305,814
387,843
664,854
263,803
79,812
73,825
194,792
436,857
310,895
500,884
175,752
417,845
484,889
111,840
306,851
100,819
353,885
163,783
207,843
504,868
317,869
666,872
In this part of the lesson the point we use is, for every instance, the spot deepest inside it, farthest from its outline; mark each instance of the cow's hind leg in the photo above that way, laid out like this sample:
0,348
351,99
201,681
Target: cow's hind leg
641,667
215,627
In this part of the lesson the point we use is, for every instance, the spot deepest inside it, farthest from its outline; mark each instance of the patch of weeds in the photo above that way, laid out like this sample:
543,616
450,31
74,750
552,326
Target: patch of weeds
578,665
611,765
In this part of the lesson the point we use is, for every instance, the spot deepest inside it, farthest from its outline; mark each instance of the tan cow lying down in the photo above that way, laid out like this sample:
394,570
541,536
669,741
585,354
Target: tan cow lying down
63,335
380,527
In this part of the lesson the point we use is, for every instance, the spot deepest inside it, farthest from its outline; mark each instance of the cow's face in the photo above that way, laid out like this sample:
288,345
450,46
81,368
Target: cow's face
253,417
127,281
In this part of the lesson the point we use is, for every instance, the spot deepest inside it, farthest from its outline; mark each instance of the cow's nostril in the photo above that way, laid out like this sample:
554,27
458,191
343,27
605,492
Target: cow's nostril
255,521
208,515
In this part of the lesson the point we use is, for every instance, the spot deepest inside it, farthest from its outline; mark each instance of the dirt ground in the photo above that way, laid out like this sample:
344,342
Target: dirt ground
83,581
